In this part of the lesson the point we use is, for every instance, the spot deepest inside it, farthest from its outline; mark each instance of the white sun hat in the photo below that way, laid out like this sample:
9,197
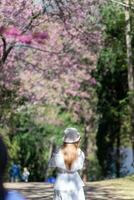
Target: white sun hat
71,135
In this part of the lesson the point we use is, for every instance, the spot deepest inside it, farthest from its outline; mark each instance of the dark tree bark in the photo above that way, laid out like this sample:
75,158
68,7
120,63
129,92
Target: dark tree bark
118,159
130,69
51,150
86,151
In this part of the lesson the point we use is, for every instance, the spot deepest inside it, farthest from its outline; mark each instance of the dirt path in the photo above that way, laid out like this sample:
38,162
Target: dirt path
94,191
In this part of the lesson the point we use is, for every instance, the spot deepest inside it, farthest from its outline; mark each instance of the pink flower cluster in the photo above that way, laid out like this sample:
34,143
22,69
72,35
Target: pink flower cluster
93,81
15,33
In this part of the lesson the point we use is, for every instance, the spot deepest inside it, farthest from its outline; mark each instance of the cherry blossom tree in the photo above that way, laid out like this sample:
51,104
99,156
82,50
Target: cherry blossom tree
51,47
17,27
22,23
68,73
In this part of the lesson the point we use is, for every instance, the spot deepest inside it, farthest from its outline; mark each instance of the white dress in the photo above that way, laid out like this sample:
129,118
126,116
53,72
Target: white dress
69,185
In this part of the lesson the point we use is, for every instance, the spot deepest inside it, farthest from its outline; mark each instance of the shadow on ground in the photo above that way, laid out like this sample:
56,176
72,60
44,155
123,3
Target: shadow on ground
33,191
43,191
96,191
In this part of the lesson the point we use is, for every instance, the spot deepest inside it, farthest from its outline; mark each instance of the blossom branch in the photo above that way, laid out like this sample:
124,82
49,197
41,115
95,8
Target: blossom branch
38,49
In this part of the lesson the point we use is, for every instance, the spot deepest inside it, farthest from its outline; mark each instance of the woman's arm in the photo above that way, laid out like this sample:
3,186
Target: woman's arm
78,165
81,160
52,162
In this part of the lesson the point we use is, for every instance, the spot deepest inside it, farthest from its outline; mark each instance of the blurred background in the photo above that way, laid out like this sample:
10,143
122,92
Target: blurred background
67,64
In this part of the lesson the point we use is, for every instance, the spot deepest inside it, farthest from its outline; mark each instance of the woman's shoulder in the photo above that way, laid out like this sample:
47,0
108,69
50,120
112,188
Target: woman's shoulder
81,153
14,195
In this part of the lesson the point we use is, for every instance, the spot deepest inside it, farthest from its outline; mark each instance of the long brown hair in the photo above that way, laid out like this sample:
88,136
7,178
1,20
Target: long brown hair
70,153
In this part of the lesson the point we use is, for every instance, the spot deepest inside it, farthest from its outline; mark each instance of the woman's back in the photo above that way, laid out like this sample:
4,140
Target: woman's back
70,154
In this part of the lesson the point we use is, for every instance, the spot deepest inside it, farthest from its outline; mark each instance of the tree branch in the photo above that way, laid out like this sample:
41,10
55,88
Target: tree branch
123,4
4,44
5,55
38,49
30,22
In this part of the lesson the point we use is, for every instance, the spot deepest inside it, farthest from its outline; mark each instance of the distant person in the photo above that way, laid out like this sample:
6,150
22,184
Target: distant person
4,193
68,160
14,173
25,175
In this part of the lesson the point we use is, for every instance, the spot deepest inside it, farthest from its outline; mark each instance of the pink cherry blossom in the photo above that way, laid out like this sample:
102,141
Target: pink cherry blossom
93,81
27,39
12,31
40,35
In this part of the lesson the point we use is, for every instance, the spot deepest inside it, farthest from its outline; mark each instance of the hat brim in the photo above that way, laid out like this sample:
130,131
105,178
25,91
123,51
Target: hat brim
71,141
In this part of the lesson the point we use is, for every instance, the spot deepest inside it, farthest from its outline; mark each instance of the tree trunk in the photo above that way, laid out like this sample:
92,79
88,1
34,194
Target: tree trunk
118,164
51,150
130,69
86,151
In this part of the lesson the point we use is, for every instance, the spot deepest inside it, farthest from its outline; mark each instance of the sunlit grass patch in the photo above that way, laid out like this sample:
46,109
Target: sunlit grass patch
122,188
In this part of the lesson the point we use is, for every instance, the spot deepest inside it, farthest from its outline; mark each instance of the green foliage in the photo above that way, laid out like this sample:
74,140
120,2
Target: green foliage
94,169
113,19
114,122
33,135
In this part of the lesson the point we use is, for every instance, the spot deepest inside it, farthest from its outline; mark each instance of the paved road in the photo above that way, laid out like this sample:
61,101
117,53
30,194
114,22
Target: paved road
93,191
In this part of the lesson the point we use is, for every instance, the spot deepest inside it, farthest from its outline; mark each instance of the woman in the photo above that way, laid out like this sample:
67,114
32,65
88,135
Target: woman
68,160
4,194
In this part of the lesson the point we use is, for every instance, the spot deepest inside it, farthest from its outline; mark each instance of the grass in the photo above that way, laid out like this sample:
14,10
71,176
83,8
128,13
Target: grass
122,188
